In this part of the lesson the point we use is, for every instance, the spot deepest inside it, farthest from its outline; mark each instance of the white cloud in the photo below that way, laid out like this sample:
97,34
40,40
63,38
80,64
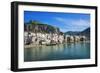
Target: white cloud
63,20
74,22
60,19
80,22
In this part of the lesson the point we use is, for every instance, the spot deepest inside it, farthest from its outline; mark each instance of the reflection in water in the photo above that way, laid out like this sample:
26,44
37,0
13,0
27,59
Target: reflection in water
58,52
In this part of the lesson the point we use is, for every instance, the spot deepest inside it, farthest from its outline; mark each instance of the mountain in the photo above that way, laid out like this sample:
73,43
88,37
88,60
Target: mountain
36,26
85,32
72,33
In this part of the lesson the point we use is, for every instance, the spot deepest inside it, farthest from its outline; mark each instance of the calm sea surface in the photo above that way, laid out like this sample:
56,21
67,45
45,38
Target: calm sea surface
66,51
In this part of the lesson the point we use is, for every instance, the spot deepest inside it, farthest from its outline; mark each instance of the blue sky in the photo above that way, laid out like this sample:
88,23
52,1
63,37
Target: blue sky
64,21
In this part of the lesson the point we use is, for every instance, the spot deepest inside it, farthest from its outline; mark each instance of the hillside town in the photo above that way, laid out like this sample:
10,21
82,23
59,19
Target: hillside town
50,39
44,34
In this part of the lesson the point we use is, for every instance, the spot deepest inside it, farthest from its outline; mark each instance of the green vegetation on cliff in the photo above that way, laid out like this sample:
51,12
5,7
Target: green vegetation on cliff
35,26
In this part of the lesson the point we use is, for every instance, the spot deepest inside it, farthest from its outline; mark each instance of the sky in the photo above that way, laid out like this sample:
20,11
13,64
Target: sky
64,21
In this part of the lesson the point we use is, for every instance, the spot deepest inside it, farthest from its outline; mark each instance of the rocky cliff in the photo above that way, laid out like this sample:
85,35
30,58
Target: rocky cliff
35,26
